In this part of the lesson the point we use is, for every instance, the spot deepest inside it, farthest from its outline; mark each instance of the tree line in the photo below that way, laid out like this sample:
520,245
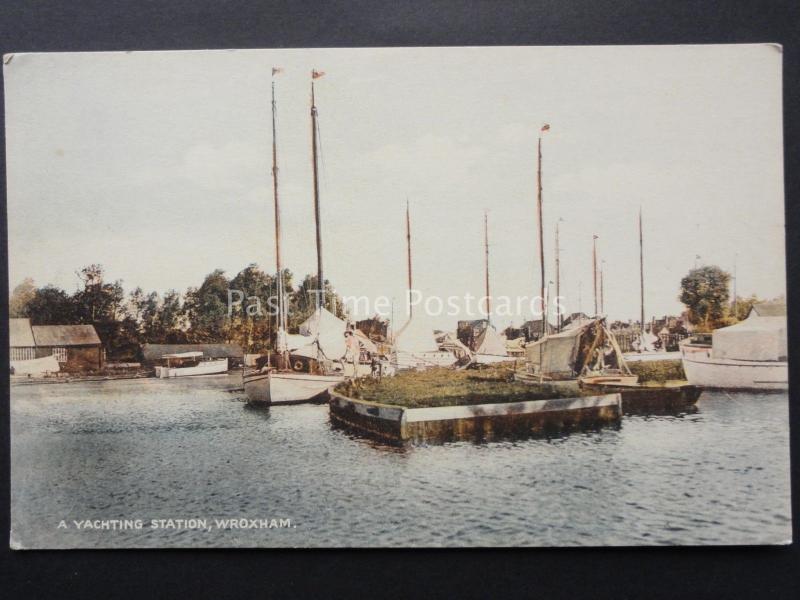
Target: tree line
125,321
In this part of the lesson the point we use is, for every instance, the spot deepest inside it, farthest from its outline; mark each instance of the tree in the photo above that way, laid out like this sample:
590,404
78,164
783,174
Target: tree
51,305
98,302
252,320
170,318
704,291
303,302
20,298
207,309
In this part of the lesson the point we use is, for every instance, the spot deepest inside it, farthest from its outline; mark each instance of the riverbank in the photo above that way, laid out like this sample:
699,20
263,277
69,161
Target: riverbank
76,377
658,371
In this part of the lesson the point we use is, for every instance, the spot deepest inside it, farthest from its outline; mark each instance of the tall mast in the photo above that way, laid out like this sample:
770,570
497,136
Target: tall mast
314,159
541,230
408,255
558,279
281,316
602,301
486,250
541,249
735,256
641,270
594,272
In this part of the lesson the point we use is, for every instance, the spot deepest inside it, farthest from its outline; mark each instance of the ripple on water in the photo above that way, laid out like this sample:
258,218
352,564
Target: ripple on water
182,449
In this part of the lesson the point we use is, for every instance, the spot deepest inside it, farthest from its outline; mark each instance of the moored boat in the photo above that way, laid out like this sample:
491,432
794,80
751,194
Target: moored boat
638,398
189,364
280,387
749,355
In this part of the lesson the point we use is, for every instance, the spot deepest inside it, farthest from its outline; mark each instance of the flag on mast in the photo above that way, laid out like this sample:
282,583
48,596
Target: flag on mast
546,127
276,70
316,74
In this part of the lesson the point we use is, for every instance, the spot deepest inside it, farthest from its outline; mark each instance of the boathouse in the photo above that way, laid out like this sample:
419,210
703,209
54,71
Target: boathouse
76,347
20,340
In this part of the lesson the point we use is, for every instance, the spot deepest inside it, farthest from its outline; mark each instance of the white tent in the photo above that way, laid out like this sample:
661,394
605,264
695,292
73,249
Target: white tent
416,336
35,366
323,328
755,338
415,347
491,343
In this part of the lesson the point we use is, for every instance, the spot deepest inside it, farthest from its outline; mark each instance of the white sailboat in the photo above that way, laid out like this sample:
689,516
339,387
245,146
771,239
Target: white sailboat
414,345
490,347
749,355
321,339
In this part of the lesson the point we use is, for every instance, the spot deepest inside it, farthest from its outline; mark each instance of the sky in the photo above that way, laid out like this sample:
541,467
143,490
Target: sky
157,165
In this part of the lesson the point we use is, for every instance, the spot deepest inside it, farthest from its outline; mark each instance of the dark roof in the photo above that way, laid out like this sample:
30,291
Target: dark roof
20,334
535,327
152,352
770,309
65,335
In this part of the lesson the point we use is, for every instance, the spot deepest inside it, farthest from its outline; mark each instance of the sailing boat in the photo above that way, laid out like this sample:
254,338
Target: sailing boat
489,347
647,341
307,373
414,344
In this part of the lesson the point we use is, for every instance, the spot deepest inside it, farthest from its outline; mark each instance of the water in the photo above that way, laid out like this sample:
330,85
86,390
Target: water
151,449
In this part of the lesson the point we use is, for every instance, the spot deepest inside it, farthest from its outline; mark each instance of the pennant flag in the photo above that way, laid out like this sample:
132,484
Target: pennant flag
595,237
317,74
545,127
276,70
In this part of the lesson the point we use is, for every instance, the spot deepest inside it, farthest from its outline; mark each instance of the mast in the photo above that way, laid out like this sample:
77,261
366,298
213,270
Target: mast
541,229
735,256
541,248
641,271
602,302
281,316
486,249
559,316
408,256
594,271
314,161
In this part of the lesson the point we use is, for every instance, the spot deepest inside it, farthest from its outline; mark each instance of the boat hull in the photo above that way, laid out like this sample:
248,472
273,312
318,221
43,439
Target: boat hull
491,359
640,399
276,388
705,371
209,367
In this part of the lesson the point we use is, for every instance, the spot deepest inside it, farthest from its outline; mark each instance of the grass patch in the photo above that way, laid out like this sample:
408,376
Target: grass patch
448,387
657,371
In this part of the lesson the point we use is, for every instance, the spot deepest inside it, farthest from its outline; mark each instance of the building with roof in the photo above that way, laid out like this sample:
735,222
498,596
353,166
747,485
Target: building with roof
20,340
76,347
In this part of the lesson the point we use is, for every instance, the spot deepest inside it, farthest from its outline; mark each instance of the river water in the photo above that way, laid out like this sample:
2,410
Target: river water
157,450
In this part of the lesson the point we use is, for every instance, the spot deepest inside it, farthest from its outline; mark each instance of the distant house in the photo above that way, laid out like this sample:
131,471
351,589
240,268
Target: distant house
576,318
20,338
152,353
532,330
76,347
468,332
